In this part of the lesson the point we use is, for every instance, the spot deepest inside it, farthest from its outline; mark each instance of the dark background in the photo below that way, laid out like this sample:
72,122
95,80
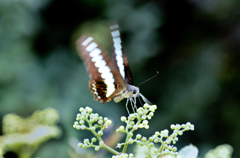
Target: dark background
194,44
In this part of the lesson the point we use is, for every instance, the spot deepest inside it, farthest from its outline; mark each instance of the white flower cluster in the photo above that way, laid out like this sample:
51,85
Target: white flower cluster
86,120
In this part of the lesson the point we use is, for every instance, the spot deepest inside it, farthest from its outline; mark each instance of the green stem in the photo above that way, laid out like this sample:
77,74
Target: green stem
126,145
149,152
161,147
104,145
110,149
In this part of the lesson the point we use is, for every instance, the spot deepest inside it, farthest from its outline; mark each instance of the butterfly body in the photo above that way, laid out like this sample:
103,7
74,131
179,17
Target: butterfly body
131,91
109,78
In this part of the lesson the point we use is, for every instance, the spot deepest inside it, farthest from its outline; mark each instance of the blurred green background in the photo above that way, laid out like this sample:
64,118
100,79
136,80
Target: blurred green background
194,44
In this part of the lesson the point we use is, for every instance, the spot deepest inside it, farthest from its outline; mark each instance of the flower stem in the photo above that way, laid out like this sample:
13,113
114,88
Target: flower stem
110,149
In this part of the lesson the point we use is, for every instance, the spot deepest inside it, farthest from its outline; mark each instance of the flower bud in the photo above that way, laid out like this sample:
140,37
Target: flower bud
144,139
146,126
164,133
130,140
81,109
97,148
138,136
81,122
92,128
172,126
100,133
151,114
82,127
145,106
157,133
101,143
94,139
145,122
121,128
140,125
105,119
139,109
174,149
178,126
80,145
144,117
85,146
89,110
132,123
151,145
154,107
78,127
108,122
123,118
131,117
86,141
151,139
180,133
130,134
100,122
135,127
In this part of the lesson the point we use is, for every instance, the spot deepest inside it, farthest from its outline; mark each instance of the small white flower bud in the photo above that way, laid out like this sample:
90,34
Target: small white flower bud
135,127
123,118
138,136
81,109
173,126
105,119
100,133
121,128
81,122
80,145
97,148
86,141
130,140
145,122
100,122
108,122
89,110
94,139
144,117
144,139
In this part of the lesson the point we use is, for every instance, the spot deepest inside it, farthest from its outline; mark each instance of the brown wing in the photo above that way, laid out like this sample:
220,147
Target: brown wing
119,57
106,81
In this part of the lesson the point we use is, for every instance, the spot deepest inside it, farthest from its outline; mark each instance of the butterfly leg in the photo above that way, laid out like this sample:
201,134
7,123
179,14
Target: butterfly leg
140,100
135,104
126,106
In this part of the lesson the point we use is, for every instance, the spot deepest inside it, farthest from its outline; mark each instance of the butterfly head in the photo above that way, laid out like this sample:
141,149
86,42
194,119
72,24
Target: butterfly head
132,91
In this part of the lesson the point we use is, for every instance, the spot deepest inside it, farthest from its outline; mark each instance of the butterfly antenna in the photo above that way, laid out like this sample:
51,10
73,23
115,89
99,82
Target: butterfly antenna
148,79
145,99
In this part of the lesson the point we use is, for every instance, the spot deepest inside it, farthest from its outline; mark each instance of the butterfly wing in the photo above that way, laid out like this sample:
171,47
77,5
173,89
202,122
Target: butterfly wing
106,81
119,57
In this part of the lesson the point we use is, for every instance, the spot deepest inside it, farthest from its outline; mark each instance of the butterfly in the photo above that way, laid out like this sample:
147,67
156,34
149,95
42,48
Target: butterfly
109,78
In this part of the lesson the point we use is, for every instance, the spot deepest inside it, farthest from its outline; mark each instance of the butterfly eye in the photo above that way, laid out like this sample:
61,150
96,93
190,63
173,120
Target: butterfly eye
134,91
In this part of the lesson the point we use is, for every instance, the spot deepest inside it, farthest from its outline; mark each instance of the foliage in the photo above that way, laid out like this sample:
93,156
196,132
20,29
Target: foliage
23,136
221,151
